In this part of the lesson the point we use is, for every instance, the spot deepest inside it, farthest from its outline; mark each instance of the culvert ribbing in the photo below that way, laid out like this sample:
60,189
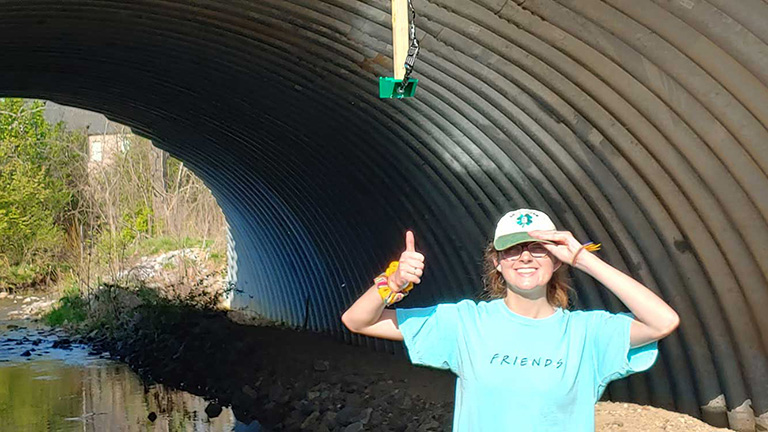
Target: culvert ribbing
641,125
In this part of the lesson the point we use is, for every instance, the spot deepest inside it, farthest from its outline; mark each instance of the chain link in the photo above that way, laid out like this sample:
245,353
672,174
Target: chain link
413,50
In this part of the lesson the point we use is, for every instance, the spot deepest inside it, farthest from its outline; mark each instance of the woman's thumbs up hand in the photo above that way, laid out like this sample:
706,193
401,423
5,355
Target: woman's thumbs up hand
410,266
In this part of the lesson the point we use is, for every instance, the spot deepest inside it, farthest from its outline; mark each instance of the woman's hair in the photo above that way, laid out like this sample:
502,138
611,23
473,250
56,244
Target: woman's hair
496,286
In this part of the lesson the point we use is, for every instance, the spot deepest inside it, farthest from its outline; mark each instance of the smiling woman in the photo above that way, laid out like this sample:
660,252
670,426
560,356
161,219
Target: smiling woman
524,347
496,286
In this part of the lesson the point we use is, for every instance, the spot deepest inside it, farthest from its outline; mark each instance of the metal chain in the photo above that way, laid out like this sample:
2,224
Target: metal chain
413,50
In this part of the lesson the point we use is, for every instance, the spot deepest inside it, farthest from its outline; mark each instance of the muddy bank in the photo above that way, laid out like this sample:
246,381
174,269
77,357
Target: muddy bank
24,307
286,380
290,380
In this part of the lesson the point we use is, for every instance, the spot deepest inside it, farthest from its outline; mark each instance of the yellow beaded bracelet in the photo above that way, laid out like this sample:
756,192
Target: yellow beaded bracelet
382,285
391,269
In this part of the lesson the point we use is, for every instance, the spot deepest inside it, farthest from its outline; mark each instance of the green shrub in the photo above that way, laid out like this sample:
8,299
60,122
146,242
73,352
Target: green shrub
136,224
39,168
113,310
72,308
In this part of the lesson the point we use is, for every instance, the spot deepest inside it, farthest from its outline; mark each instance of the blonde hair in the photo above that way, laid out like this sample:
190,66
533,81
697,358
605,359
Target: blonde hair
496,286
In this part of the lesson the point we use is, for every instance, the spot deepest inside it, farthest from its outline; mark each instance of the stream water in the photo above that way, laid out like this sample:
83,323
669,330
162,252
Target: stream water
47,384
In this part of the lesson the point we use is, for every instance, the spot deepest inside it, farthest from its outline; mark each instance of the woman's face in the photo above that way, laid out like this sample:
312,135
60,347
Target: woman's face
527,266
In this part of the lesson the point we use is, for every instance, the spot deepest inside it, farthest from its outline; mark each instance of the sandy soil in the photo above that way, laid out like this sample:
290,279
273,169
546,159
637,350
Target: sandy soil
616,416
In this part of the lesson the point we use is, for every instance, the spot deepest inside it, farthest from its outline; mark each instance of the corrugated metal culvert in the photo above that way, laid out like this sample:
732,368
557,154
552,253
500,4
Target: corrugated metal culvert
638,124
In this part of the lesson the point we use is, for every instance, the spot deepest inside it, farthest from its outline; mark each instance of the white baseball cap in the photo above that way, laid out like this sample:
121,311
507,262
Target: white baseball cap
514,226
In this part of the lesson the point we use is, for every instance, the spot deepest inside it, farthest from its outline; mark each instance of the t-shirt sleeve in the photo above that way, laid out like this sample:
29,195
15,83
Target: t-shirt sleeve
613,357
430,335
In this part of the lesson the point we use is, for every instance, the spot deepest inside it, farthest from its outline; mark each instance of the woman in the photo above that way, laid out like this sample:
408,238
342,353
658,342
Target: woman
523,361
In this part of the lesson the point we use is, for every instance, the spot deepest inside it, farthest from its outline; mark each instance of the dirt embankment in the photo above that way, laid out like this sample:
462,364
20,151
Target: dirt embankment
289,380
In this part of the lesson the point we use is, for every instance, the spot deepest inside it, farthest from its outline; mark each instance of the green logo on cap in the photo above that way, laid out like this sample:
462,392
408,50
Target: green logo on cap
524,219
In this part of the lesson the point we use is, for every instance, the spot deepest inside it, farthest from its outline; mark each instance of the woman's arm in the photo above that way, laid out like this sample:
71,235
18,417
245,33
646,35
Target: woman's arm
368,315
654,318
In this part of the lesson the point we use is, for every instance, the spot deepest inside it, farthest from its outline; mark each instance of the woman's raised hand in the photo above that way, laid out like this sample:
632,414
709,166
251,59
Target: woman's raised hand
410,266
565,245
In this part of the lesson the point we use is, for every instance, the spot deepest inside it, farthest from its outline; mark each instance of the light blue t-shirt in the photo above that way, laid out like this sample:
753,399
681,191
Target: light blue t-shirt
522,374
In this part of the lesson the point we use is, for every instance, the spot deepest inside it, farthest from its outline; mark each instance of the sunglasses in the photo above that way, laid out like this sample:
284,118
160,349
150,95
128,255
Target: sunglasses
537,250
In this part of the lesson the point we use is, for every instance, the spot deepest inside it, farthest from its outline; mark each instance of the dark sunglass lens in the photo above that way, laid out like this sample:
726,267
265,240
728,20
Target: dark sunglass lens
538,250
512,253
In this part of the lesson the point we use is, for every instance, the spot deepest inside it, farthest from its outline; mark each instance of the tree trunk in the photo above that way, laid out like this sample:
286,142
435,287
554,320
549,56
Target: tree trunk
158,159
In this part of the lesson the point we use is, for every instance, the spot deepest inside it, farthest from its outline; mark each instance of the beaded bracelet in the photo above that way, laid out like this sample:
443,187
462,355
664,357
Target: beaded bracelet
382,285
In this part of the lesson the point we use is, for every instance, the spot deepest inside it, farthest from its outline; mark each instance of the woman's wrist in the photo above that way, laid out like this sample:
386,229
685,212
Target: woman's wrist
575,258
388,287
585,261
374,292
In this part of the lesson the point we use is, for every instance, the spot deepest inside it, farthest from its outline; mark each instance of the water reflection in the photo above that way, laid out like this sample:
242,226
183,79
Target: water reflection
46,389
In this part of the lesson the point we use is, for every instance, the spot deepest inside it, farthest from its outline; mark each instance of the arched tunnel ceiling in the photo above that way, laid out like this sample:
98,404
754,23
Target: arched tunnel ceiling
639,124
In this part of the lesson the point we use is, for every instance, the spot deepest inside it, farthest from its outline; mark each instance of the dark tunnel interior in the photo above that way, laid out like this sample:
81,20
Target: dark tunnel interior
642,125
